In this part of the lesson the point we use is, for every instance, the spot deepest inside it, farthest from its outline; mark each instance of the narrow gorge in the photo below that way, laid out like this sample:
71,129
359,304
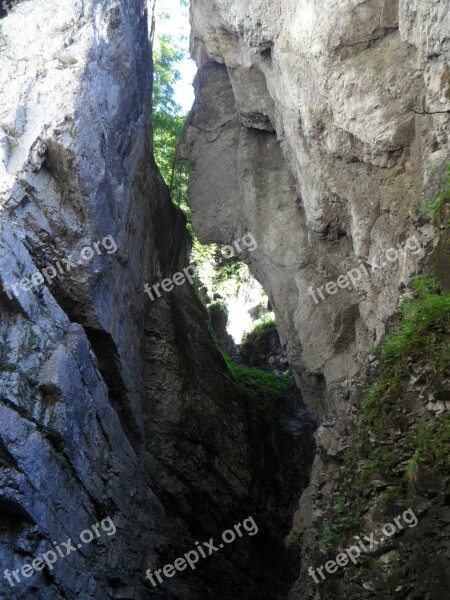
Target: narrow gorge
143,454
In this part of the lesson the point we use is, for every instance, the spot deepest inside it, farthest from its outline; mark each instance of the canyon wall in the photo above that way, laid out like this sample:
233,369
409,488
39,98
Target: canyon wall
321,123
323,128
112,405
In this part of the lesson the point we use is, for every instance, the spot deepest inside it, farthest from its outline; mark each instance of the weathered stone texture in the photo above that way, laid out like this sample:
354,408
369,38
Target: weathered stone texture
316,126
320,122
112,405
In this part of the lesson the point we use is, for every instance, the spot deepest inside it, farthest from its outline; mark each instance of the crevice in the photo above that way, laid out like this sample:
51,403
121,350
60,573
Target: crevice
108,359
221,126
266,54
369,42
432,112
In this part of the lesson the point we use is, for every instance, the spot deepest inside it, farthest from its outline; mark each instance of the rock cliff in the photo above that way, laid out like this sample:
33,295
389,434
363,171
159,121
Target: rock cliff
112,405
323,128
321,122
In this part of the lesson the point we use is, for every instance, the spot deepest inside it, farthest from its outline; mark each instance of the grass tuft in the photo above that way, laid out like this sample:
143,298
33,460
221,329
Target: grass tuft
435,208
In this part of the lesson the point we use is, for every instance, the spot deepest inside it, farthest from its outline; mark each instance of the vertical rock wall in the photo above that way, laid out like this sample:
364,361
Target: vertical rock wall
111,405
316,126
320,122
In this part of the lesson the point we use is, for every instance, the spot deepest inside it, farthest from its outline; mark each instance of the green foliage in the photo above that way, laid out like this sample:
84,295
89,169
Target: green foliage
168,121
432,444
219,307
221,276
165,58
263,387
425,285
228,270
422,337
391,495
344,522
436,206
423,319
263,327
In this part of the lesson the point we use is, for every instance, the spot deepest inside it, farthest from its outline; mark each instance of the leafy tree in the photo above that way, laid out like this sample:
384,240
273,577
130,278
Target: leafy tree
165,58
221,277
168,120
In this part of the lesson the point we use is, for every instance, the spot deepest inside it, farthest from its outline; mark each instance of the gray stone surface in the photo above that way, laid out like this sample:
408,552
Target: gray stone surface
317,124
111,405
357,98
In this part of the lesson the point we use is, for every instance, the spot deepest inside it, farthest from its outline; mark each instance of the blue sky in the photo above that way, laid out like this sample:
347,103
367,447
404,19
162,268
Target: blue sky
178,27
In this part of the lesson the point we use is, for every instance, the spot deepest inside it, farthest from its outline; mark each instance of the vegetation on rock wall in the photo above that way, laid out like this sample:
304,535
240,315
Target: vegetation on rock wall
263,387
387,446
262,328
168,120
436,207
221,276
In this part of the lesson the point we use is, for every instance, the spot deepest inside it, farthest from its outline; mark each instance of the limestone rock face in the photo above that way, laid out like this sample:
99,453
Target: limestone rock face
320,122
322,127
110,404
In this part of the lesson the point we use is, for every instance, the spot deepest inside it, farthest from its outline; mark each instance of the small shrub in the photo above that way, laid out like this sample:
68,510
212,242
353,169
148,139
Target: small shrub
263,327
344,523
435,207
263,387
422,319
392,495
